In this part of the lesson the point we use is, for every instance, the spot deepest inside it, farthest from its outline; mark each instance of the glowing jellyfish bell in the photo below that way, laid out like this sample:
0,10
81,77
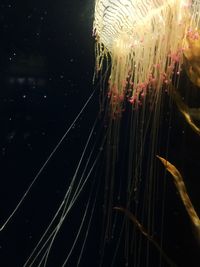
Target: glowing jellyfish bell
145,40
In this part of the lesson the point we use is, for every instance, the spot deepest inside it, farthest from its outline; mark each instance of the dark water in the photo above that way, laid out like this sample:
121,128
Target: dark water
46,66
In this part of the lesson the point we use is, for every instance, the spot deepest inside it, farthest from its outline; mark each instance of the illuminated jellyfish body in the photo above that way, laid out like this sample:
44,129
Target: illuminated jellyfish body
142,43
139,54
145,40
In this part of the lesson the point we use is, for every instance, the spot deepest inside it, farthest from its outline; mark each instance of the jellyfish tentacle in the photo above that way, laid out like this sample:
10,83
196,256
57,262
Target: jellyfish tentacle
184,109
180,185
146,234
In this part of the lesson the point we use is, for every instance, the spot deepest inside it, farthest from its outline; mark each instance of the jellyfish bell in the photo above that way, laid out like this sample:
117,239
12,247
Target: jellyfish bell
145,40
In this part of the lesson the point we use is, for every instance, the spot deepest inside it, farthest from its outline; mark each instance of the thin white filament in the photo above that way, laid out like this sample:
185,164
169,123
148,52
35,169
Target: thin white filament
46,162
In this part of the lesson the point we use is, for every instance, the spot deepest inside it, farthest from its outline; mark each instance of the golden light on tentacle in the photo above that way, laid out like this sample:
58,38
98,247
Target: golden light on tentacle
180,185
145,233
185,110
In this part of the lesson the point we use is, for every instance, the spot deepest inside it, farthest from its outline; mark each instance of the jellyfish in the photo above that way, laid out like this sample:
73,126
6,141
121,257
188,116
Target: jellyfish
143,43
140,48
